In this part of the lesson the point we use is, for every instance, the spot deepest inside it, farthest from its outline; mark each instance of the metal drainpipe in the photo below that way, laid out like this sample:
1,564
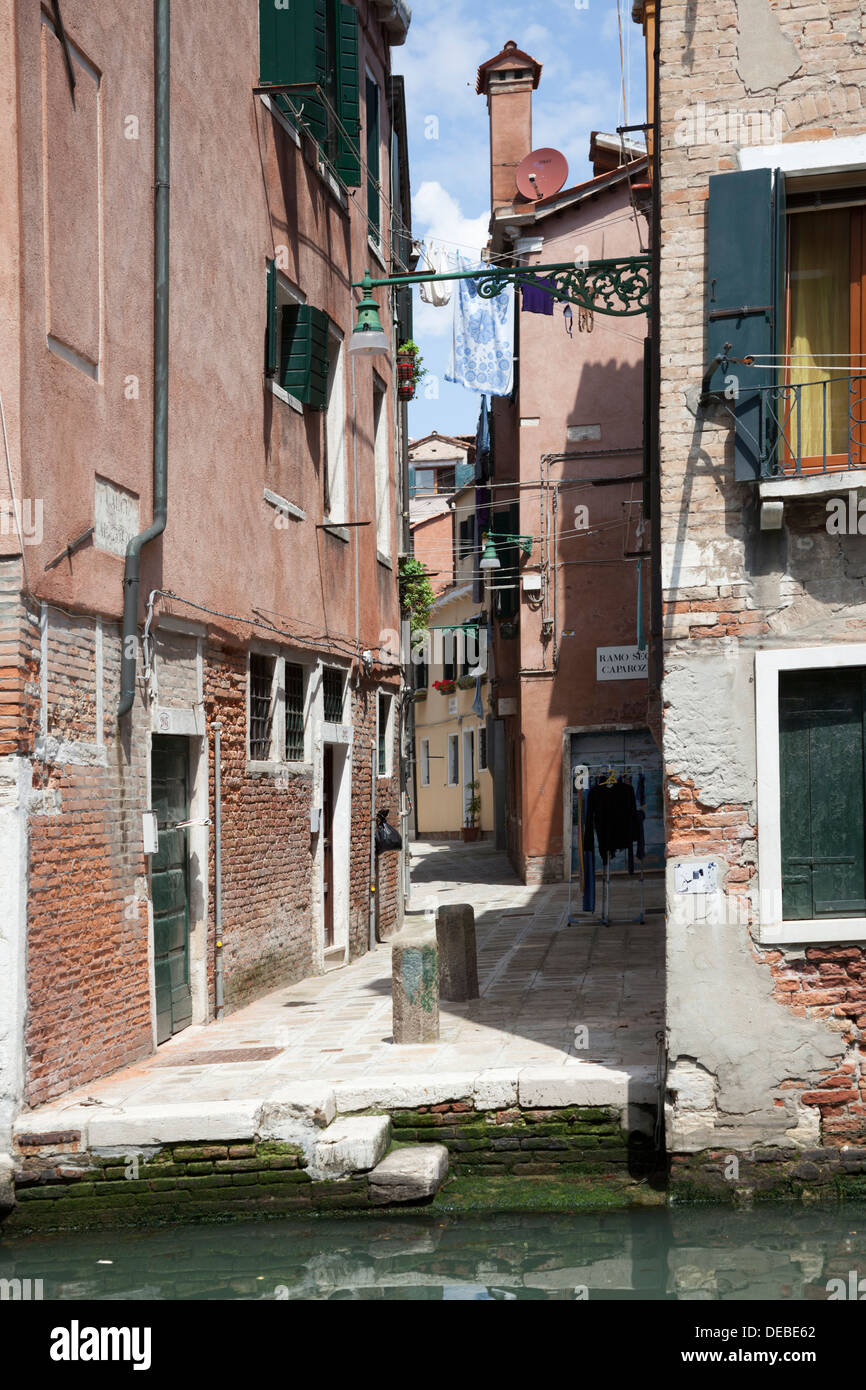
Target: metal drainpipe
218,869
132,571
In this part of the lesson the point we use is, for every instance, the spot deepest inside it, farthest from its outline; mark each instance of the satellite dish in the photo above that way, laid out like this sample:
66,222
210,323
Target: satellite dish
541,173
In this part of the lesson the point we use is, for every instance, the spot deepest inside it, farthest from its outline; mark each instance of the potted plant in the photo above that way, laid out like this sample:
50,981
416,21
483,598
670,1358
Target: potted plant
445,687
409,369
466,682
471,828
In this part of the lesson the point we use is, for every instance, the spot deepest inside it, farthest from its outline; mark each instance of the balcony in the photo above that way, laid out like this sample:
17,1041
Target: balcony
809,438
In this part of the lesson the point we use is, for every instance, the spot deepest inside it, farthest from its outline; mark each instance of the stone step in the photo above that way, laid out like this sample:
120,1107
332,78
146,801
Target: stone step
409,1174
351,1144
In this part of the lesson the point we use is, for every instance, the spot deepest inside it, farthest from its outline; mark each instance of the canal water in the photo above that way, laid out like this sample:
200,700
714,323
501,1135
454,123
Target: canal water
709,1254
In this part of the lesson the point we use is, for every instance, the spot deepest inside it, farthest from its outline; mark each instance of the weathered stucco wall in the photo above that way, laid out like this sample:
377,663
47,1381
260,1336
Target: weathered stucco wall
762,1042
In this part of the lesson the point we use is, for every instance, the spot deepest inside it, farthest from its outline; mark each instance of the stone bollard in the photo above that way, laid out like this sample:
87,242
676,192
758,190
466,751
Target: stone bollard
415,988
458,959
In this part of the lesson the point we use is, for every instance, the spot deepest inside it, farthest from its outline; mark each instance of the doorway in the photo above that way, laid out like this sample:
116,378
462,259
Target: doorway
328,844
170,799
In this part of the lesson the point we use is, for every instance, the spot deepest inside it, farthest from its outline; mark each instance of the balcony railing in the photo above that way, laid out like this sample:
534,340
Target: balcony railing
809,427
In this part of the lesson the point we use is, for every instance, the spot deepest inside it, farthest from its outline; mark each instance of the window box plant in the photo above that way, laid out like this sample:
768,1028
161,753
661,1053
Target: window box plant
445,687
409,369
466,682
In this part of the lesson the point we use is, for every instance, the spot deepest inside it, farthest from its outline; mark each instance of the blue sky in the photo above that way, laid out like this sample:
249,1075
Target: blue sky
577,42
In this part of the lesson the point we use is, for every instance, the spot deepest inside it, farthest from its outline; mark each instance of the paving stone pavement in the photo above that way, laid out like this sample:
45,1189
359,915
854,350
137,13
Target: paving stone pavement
540,980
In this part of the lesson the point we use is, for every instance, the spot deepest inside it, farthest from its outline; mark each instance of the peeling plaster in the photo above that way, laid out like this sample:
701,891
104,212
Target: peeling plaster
766,57
711,737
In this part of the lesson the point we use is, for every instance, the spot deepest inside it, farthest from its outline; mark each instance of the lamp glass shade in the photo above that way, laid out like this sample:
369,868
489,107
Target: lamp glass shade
490,560
368,342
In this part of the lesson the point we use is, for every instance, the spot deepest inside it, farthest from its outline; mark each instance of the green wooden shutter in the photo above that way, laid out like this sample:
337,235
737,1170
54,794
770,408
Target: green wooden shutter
464,474
293,48
271,328
745,279
304,362
348,160
823,800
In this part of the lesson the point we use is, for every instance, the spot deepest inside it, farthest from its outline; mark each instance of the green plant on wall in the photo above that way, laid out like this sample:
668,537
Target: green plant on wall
416,593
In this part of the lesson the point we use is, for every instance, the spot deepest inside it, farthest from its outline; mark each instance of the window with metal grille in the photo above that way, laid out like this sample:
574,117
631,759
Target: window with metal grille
332,690
261,706
294,712
384,715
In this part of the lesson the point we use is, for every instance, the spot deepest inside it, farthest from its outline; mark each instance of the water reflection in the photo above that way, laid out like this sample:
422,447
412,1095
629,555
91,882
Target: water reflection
683,1254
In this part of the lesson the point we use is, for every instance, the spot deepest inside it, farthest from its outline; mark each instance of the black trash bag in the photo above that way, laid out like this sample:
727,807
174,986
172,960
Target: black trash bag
386,836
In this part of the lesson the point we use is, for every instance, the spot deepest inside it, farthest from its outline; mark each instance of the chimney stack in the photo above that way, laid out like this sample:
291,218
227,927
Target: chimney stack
508,81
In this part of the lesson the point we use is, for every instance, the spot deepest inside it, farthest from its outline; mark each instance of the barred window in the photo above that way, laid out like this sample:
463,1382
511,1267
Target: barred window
384,714
294,712
261,706
332,687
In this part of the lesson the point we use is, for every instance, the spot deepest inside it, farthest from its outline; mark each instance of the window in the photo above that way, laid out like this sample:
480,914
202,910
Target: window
373,165
381,454
785,276
262,700
316,42
294,697
281,295
449,655
384,735
453,760
821,748
277,727
332,692
465,537
425,762
482,748
335,431
825,313
811,740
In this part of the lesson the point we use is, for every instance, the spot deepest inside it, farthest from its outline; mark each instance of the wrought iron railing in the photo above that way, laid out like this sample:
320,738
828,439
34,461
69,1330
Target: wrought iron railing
809,427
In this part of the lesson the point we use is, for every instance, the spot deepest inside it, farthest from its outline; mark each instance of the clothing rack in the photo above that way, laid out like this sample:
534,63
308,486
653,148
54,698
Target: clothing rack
624,770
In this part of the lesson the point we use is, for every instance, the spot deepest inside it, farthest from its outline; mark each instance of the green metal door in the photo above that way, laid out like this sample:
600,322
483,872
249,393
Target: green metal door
169,781
823,800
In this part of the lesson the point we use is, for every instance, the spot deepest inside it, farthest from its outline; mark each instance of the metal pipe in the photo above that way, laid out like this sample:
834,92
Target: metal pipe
218,869
162,164
372,922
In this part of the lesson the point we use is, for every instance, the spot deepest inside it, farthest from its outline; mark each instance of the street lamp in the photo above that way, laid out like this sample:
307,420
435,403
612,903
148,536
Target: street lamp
489,560
369,338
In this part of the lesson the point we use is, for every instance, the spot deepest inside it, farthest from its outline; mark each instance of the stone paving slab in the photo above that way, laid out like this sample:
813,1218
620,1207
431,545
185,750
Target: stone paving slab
540,977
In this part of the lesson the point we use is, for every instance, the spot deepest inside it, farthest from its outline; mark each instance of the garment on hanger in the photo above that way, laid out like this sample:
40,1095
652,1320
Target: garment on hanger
482,347
439,261
537,298
612,821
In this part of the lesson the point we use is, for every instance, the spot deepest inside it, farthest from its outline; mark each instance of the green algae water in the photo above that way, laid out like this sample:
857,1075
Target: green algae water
697,1254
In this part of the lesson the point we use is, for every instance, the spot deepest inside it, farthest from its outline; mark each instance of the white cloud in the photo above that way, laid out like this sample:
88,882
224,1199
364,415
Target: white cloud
437,215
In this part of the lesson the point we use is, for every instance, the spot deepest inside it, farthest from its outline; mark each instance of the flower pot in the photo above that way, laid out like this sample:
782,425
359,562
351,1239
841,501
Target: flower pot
406,390
471,832
466,682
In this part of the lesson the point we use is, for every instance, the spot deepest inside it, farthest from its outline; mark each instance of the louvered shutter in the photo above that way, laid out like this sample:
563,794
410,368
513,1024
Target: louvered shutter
304,361
293,48
348,160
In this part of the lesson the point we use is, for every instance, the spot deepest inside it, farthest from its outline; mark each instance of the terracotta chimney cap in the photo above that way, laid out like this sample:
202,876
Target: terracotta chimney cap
509,57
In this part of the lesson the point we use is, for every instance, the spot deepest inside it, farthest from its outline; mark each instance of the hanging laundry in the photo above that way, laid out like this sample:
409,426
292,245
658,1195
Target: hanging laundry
438,260
482,444
538,297
482,349
612,820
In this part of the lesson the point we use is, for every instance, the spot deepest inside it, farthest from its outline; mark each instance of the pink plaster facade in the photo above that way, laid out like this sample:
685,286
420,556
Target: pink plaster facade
580,395
245,575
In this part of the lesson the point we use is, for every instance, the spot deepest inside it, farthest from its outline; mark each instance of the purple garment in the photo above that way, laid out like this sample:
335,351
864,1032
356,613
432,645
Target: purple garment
537,299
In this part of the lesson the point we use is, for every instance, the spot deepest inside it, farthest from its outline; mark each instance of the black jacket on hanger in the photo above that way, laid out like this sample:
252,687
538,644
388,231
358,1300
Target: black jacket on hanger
612,817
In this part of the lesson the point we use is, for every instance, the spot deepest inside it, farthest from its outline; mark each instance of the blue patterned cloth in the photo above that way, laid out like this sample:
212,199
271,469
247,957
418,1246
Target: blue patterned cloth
482,350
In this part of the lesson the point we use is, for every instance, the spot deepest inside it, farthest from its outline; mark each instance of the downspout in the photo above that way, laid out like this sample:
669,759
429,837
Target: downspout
132,570
218,868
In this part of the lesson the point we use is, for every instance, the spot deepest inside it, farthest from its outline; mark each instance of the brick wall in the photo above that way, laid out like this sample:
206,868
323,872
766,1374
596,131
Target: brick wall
730,589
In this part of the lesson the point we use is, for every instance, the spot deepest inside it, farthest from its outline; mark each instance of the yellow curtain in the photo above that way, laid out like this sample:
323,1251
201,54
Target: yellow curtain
820,328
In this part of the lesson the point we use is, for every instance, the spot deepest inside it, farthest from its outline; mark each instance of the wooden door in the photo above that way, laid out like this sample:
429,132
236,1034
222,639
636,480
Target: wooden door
328,842
169,781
